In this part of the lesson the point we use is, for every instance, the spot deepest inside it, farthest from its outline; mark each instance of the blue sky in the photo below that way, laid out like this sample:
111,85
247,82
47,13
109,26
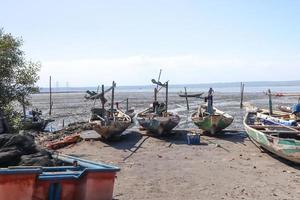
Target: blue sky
86,43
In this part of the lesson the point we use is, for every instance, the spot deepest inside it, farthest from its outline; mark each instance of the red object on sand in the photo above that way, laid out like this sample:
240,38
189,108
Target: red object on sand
65,142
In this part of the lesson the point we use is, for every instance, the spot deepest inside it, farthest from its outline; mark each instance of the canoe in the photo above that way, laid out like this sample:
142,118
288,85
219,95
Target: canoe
159,124
78,179
279,139
112,126
211,123
279,117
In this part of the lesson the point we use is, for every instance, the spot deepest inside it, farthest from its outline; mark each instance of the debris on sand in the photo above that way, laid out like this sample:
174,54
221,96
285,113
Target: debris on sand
71,139
63,137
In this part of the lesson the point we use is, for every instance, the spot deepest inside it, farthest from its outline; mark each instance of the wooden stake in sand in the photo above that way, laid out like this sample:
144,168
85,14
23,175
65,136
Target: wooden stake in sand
186,99
270,102
50,93
242,94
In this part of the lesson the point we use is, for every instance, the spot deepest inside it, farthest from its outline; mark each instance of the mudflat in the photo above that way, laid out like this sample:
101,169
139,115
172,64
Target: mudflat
225,167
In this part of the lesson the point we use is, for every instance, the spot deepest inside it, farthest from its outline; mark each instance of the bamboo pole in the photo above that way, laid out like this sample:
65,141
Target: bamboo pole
127,105
186,99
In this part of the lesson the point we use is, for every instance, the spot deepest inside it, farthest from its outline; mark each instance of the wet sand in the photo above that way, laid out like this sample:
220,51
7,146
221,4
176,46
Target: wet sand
227,167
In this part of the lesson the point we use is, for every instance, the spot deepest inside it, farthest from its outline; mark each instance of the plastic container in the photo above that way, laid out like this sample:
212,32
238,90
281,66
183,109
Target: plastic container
193,139
86,181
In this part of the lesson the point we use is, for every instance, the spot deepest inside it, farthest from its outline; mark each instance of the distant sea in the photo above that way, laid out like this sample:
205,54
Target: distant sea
275,86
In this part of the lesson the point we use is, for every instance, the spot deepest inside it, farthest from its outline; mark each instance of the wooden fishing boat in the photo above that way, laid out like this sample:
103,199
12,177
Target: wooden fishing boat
286,109
279,139
78,179
109,123
208,118
34,121
211,123
157,119
158,123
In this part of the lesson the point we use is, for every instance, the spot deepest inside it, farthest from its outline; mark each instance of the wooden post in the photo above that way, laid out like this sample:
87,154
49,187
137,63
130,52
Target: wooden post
101,101
242,94
155,94
167,93
186,98
112,97
127,105
96,98
270,102
50,92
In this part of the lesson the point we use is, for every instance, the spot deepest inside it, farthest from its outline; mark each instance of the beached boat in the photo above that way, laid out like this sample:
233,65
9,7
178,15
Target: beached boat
281,140
286,109
157,119
211,123
158,123
109,123
33,121
208,118
78,179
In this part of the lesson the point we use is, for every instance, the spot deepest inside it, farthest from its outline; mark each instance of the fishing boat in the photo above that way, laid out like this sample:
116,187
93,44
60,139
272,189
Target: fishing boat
208,118
286,109
287,116
212,123
157,119
109,123
32,120
281,140
77,179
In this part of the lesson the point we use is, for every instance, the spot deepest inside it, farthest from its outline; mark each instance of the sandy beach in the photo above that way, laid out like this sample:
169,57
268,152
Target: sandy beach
227,167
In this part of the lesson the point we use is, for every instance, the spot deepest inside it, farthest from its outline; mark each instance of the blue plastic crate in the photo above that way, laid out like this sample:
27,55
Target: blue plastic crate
193,139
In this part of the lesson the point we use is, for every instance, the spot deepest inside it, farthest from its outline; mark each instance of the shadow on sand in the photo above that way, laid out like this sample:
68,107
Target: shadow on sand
234,137
126,142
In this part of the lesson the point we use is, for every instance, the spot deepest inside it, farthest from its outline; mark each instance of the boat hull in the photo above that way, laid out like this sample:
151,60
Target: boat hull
286,148
113,130
159,125
212,124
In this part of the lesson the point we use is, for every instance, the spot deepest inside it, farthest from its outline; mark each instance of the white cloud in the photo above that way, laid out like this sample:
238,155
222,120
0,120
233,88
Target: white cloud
139,70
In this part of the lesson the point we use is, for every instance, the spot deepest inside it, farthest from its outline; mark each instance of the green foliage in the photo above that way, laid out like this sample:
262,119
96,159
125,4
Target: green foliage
17,76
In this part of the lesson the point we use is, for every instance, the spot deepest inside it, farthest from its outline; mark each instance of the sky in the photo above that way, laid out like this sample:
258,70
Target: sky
87,43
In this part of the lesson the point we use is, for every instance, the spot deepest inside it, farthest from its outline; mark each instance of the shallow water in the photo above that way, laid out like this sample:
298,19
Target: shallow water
72,107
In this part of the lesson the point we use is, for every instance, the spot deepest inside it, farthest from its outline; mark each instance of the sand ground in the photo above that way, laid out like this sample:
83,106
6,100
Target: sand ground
227,167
